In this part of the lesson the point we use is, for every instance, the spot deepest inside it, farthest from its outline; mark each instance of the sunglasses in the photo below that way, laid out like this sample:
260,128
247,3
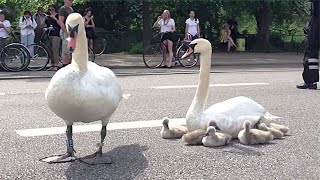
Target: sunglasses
51,9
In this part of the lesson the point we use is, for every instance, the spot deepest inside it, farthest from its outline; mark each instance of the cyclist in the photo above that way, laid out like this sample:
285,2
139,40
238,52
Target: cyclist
192,30
167,27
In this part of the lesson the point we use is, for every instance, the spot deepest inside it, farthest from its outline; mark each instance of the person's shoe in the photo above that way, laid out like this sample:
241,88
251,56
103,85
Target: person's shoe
307,86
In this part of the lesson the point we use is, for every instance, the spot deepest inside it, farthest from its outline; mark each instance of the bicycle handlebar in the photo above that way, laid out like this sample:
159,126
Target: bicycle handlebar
48,28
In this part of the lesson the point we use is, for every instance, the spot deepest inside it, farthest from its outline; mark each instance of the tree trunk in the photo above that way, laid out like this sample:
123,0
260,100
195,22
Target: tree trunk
263,18
147,31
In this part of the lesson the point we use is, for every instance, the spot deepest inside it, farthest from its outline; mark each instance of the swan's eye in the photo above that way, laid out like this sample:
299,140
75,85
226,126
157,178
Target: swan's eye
193,45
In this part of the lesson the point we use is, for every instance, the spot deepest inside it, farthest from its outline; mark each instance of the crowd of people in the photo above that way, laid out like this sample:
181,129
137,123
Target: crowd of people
32,29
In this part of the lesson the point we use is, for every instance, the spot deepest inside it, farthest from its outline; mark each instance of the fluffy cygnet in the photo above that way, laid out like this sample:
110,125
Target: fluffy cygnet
214,139
173,132
277,134
253,136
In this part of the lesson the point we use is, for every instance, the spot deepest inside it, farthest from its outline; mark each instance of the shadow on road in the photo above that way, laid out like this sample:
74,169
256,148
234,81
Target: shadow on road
128,162
247,150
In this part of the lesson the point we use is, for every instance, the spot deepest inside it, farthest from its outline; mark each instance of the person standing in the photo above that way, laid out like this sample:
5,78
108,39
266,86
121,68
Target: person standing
89,26
310,73
52,20
64,12
40,18
167,28
5,28
27,25
192,30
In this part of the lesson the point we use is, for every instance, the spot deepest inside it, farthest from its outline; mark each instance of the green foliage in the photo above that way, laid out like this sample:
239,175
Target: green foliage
122,17
136,48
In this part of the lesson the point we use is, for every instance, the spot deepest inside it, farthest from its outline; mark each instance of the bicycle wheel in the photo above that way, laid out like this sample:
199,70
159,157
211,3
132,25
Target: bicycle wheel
152,55
99,46
91,55
189,61
39,57
13,58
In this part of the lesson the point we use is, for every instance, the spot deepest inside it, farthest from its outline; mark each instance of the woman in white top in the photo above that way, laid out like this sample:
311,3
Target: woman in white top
192,27
5,28
167,27
27,25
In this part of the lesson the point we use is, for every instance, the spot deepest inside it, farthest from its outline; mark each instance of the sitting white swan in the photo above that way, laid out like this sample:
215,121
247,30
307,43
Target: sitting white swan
82,92
229,115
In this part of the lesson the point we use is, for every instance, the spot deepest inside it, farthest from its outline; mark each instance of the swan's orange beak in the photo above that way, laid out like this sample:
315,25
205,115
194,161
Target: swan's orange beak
188,53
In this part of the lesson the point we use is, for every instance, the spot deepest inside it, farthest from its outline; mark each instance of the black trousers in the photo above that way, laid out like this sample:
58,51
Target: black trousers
311,59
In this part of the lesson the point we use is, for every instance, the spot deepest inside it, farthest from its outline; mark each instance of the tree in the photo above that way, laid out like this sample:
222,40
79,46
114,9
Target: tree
268,12
147,31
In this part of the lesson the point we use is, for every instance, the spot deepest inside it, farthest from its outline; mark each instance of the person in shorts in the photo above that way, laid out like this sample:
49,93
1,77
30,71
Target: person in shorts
64,12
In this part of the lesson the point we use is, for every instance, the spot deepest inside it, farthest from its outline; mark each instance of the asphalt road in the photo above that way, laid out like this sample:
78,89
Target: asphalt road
142,154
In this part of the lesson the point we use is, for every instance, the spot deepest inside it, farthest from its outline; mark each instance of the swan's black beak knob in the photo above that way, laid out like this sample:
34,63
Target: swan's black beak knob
73,30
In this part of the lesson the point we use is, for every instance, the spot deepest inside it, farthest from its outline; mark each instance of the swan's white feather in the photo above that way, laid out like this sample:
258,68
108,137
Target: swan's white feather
89,96
230,115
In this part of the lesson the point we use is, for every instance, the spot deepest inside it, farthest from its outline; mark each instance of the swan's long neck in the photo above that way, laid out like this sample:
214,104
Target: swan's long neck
199,100
80,55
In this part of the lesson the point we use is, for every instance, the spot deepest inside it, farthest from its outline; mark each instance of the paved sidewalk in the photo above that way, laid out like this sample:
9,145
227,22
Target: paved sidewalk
123,64
221,59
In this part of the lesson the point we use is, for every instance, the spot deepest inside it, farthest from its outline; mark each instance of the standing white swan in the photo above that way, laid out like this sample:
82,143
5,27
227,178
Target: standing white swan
229,115
82,92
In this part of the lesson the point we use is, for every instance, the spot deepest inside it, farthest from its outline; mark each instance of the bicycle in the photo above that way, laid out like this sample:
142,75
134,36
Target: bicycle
192,60
99,46
41,54
152,53
14,57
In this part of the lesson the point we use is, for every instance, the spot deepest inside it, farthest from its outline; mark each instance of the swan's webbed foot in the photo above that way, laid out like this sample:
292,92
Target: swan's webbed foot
68,157
98,157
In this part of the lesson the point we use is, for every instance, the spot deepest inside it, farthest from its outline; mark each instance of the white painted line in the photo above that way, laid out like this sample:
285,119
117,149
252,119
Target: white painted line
97,127
2,93
211,85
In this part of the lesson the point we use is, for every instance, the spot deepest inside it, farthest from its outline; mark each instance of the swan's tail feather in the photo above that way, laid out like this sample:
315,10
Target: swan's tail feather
270,117
126,96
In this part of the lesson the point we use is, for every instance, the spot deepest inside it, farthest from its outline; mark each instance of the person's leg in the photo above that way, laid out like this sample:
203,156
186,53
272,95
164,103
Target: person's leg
310,73
170,45
55,44
24,39
164,52
90,43
66,56
30,39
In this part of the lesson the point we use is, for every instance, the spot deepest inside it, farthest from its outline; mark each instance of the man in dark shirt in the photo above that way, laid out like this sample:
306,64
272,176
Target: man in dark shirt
64,12
310,73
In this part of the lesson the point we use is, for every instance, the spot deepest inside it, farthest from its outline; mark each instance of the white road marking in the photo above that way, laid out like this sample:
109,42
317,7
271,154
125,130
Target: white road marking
211,85
97,127
2,93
